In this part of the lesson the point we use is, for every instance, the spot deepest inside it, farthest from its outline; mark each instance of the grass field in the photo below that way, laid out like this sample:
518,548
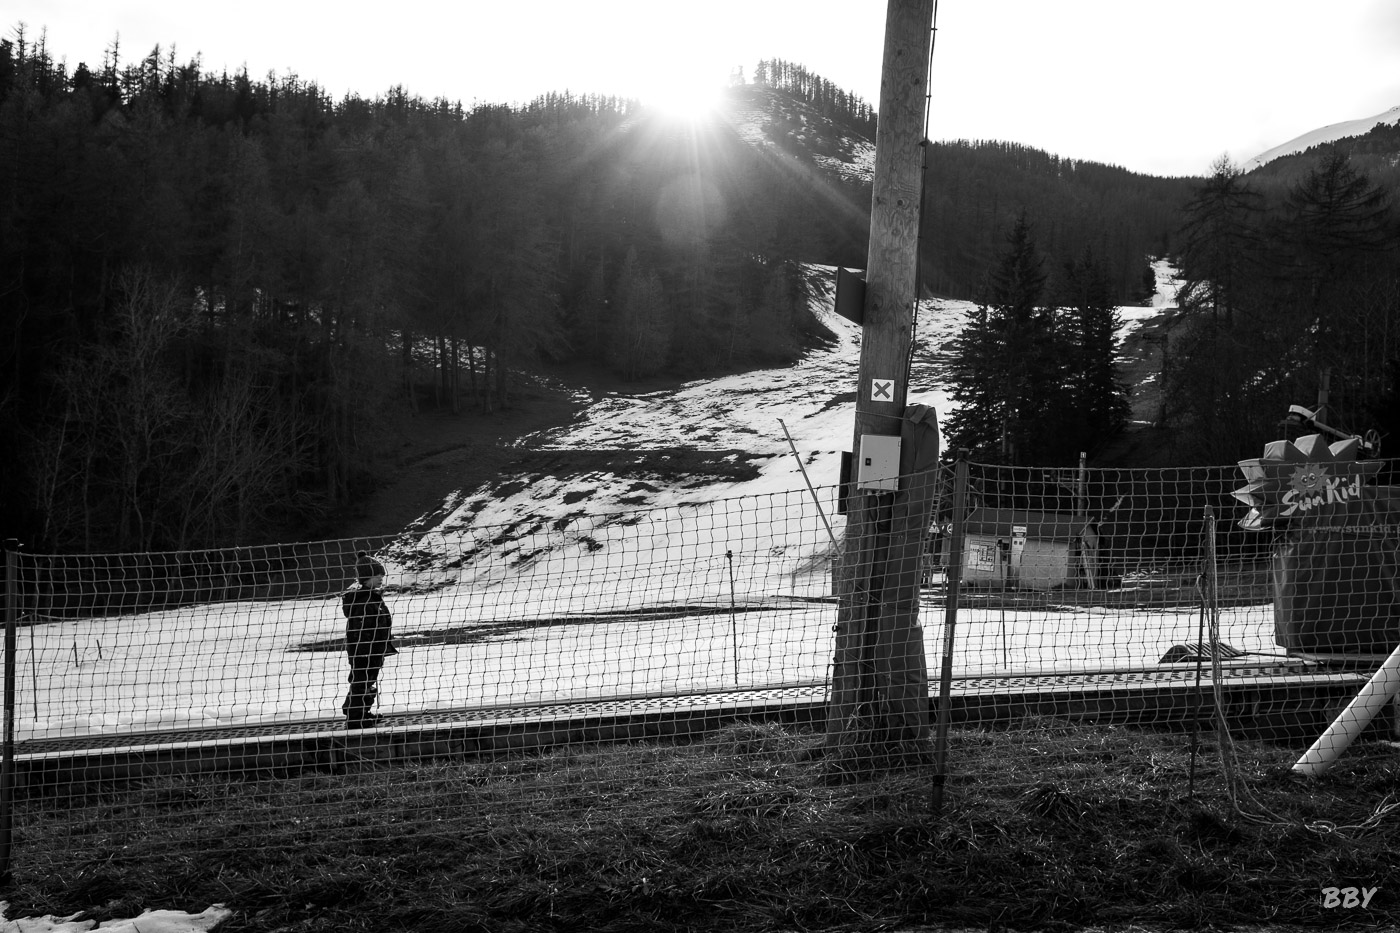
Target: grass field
1046,827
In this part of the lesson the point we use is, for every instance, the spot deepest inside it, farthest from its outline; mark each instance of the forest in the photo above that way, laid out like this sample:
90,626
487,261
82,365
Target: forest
218,289
220,292
976,191
1290,296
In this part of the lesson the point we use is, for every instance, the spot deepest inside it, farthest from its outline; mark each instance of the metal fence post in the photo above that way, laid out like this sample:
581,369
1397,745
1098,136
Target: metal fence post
7,765
1212,599
945,676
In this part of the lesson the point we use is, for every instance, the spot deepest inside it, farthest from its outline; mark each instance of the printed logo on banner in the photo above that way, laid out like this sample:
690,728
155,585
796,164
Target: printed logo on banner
1310,487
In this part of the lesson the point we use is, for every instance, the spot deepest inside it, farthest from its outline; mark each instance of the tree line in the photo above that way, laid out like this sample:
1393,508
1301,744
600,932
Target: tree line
1290,295
219,292
1291,287
975,191
831,101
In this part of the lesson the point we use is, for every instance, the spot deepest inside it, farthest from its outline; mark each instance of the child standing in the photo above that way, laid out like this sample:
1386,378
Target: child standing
367,642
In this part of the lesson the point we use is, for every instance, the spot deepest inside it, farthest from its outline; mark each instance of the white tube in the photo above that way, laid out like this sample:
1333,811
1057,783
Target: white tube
1379,691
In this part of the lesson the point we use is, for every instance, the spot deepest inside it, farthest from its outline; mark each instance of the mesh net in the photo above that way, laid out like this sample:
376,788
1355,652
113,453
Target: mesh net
734,643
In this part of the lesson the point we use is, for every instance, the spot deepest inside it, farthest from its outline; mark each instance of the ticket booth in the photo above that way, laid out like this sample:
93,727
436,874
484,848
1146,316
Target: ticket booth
1014,547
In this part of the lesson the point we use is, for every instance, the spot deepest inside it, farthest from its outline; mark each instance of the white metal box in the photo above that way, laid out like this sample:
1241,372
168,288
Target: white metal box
878,464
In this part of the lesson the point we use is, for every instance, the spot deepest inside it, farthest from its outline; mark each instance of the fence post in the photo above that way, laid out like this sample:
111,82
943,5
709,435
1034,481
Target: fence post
950,594
7,764
1212,595
733,615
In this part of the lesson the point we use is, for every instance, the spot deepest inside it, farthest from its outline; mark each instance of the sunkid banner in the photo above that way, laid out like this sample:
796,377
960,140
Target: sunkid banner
1312,487
1306,478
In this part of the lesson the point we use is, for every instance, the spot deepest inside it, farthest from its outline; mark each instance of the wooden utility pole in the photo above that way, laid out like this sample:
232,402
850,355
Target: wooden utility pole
879,700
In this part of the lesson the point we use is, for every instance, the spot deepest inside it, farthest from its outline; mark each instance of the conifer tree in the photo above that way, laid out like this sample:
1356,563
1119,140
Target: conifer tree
1221,241
1338,240
1100,405
1333,219
1008,366
1300,283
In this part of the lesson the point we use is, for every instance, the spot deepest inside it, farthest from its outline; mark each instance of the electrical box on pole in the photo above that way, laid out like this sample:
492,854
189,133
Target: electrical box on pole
850,295
879,463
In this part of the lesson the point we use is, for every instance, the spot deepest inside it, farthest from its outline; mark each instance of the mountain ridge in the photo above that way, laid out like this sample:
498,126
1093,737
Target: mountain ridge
1332,132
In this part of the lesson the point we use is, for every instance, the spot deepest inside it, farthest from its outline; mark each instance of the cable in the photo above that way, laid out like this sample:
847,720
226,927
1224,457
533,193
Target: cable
1243,800
923,186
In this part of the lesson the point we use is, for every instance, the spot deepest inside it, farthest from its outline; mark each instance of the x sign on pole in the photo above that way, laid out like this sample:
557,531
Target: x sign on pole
882,390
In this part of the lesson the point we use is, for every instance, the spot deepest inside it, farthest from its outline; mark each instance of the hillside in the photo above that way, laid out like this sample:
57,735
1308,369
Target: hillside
974,190
261,296
584,445
270,285
591,438
1372,146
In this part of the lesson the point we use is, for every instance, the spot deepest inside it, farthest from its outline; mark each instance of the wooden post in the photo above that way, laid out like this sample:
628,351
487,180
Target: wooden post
879,696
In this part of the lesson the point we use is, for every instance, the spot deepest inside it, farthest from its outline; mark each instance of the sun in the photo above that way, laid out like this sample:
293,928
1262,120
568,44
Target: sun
690,99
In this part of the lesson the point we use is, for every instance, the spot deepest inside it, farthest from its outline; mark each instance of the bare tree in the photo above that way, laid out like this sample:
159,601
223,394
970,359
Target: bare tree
115,448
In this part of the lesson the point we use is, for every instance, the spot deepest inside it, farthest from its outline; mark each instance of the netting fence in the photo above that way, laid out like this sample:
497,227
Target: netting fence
705,642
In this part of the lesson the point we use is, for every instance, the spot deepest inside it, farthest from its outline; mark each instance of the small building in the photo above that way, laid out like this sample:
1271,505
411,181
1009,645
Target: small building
1015,547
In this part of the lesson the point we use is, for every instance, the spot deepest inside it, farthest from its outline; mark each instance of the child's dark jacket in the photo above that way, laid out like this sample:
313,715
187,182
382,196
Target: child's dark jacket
367,624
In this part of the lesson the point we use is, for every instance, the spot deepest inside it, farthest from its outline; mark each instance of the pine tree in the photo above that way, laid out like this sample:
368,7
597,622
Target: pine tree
1008,366
1100,405
1339,240
1333,219
1221,242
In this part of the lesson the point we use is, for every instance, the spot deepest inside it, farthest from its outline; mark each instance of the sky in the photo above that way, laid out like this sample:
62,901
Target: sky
1164,89
1158,88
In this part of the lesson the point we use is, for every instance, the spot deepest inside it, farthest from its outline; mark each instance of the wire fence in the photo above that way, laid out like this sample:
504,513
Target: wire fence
236,689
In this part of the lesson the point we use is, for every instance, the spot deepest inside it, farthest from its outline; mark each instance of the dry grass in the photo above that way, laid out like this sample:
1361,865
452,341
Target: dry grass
1044,825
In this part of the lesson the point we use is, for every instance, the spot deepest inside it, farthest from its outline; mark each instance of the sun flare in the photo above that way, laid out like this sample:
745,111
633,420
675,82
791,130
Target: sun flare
692,100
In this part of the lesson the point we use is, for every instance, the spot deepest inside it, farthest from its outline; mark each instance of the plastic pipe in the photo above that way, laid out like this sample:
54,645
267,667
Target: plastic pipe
1379,691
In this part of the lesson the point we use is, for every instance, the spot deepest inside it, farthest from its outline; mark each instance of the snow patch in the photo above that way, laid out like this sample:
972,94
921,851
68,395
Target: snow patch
152,921
585,585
